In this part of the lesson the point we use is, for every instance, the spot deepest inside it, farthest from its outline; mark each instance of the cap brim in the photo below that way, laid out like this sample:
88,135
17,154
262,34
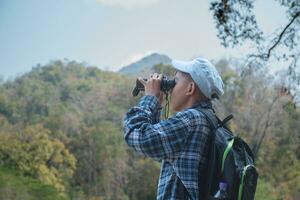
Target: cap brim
180,65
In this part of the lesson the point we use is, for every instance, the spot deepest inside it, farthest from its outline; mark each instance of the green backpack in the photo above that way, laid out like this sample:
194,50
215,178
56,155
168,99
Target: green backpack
230,161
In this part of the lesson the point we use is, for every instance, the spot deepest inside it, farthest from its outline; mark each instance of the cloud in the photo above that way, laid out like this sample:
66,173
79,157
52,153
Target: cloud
128,3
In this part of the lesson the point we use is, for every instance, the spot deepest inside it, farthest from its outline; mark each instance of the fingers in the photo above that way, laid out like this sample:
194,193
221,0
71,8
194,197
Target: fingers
156,76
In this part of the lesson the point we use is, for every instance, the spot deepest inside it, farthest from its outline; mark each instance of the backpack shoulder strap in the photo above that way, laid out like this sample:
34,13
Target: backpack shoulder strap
211,117
214,124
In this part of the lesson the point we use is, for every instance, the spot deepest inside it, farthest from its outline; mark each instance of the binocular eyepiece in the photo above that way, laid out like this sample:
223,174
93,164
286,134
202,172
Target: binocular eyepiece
166,85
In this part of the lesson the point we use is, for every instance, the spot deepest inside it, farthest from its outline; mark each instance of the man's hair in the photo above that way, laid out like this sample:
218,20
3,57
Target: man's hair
189,77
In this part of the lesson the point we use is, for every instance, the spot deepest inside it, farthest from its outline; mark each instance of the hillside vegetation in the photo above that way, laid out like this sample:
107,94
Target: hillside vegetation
61,134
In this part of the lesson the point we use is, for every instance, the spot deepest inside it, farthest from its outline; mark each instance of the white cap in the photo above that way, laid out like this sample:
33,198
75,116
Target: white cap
204,74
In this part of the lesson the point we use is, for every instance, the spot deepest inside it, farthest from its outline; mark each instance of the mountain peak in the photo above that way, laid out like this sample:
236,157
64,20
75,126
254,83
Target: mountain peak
145,64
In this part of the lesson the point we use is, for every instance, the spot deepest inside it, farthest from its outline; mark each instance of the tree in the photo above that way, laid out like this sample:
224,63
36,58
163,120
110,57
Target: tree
264,116
15,186
34,153
236,24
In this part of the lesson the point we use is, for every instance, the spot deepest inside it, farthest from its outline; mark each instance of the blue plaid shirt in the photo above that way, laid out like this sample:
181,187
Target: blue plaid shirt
181,143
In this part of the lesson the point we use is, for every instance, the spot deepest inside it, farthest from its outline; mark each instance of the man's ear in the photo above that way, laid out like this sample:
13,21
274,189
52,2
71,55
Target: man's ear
191,88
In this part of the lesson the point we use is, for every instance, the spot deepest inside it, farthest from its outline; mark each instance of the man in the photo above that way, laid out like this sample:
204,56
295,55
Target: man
182,141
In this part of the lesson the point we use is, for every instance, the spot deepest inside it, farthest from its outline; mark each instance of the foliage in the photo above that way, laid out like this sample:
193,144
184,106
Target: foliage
61,128
35,154
65,112
236,25
15,186
268,119
164,69
142,184
235,21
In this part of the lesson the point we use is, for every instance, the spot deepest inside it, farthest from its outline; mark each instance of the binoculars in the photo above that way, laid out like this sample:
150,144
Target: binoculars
166,85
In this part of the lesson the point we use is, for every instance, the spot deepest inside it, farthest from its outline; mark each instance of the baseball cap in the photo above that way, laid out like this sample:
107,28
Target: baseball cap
204,74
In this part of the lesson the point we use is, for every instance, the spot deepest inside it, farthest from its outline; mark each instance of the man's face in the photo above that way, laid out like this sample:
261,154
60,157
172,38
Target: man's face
178,93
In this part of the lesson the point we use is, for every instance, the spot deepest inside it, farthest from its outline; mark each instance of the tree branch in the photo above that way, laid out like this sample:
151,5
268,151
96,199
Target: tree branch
281,34
267,55
256,146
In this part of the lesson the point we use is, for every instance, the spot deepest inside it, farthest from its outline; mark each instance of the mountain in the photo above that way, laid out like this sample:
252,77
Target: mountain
145,64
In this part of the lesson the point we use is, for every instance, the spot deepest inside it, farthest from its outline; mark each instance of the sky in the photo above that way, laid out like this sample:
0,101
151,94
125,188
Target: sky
112,33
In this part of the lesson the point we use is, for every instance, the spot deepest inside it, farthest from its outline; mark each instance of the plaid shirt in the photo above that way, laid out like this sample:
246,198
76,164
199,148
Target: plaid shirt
181,143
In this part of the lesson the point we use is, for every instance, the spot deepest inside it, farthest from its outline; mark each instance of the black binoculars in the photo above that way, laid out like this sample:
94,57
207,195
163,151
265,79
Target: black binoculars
166,85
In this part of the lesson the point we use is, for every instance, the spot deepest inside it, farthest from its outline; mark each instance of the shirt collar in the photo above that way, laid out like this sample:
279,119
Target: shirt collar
203,104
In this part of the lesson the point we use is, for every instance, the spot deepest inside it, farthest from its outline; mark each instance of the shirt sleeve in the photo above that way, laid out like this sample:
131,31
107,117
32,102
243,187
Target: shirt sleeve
162,140
156,115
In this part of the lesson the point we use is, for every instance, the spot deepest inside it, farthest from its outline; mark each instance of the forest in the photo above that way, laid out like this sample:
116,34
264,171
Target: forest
61,124
61,135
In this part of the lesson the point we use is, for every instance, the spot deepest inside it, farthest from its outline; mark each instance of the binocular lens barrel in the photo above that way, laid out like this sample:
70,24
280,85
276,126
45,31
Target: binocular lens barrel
166,84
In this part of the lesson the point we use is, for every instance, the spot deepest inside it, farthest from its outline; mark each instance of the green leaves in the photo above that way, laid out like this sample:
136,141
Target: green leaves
61,130
13,185
62,124
35,154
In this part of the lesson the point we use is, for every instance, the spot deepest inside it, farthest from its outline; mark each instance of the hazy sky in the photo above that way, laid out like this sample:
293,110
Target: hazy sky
113,33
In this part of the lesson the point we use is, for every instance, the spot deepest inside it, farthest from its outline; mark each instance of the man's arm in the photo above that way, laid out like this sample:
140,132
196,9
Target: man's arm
156,115
162,140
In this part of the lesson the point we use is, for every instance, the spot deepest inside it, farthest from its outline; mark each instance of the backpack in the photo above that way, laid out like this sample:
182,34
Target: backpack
230,161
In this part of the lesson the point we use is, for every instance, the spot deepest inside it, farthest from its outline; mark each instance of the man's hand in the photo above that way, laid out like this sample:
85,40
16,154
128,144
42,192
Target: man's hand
152,86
